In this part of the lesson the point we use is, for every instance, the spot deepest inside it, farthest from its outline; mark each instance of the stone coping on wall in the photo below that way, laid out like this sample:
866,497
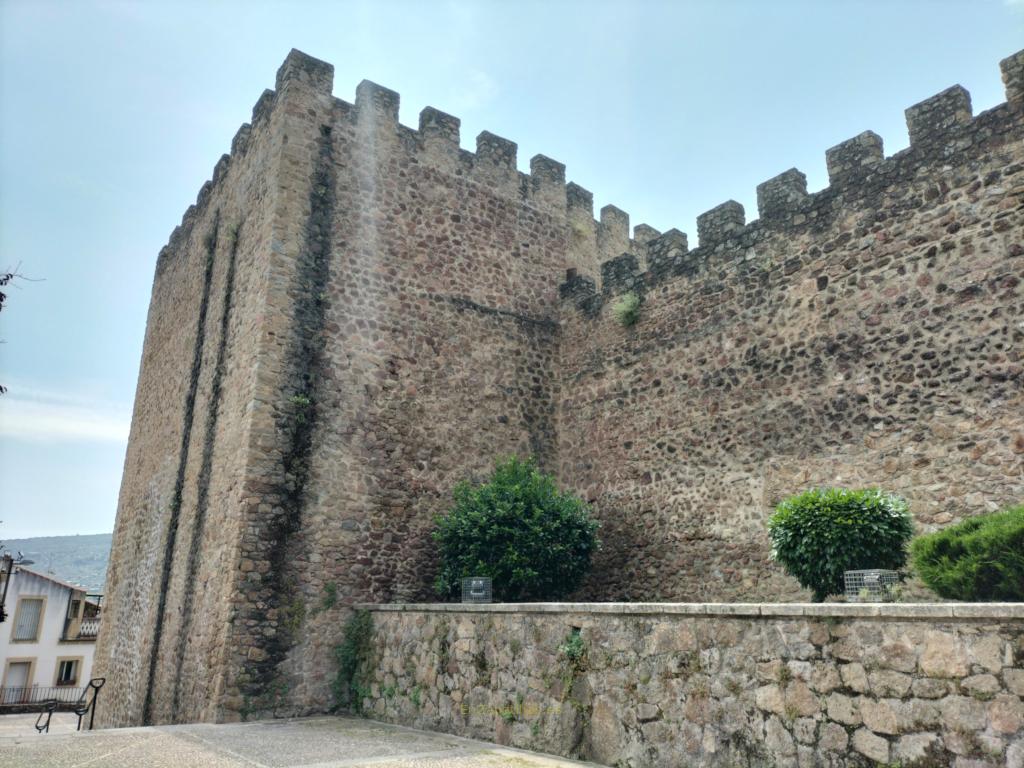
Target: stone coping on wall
768,610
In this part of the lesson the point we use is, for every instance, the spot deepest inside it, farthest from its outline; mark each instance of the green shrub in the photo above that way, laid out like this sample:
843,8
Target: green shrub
824,531
533,540
981,558
574,649
627,309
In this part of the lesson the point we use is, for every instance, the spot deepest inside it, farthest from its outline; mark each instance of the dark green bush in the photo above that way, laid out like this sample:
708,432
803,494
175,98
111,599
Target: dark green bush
981,558
534,541
824,531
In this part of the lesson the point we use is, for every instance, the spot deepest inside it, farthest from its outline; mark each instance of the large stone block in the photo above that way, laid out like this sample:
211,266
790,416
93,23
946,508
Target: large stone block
878,715
944,655
871,745
607,737
843,709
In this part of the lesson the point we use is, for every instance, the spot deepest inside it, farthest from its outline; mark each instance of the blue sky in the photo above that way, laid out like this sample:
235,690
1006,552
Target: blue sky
113,114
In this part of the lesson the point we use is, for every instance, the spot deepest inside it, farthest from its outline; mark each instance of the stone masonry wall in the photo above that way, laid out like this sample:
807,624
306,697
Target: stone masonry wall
778,685
178,524
415,345
865,335
357,314
330,399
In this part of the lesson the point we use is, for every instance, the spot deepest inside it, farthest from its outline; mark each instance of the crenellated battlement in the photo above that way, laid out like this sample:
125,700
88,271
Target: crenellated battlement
850,161
440,131
937,124
436,140
943,134
941,128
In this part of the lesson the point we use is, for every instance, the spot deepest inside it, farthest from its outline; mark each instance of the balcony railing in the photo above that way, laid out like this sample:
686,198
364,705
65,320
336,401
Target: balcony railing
37,694
89,627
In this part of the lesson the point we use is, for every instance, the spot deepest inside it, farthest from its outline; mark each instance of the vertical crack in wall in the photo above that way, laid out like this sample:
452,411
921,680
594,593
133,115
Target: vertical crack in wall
206,469
297,420
179,483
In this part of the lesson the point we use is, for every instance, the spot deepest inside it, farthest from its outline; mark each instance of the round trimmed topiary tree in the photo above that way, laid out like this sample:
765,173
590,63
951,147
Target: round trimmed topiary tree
981,558
822,532
533,540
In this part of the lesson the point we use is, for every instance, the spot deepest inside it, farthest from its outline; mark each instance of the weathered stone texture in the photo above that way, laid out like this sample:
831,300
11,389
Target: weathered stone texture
736,690
356,315
187,451
347,400
866,334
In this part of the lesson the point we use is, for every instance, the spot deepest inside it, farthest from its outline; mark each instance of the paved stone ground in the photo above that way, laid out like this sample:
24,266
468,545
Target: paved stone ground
321,742
22,725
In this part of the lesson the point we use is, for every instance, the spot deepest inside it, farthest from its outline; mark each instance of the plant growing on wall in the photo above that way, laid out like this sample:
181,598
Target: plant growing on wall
627,309
349,688
981,558
824,531
533,540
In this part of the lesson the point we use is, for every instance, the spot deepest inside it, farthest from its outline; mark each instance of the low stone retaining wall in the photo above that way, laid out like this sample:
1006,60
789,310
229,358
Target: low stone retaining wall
711,685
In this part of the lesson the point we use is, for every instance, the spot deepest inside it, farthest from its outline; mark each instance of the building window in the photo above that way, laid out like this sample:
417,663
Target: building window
16,682
73,611
27,619
67,672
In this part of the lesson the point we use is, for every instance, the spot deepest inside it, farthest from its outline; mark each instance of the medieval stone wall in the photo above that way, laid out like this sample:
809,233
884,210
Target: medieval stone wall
867,334
424,351
369,255
773,685
172,579
356,315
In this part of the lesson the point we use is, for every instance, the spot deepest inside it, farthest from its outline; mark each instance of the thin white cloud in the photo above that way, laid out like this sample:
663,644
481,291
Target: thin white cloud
477,90
48,416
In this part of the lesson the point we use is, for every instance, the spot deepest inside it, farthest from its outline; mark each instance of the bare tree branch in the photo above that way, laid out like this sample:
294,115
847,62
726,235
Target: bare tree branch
7,279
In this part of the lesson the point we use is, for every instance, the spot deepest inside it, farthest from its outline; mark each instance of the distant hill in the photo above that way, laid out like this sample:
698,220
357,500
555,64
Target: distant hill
77,559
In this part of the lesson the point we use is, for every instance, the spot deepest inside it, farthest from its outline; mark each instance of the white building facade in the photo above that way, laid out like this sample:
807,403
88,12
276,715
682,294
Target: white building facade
47,641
